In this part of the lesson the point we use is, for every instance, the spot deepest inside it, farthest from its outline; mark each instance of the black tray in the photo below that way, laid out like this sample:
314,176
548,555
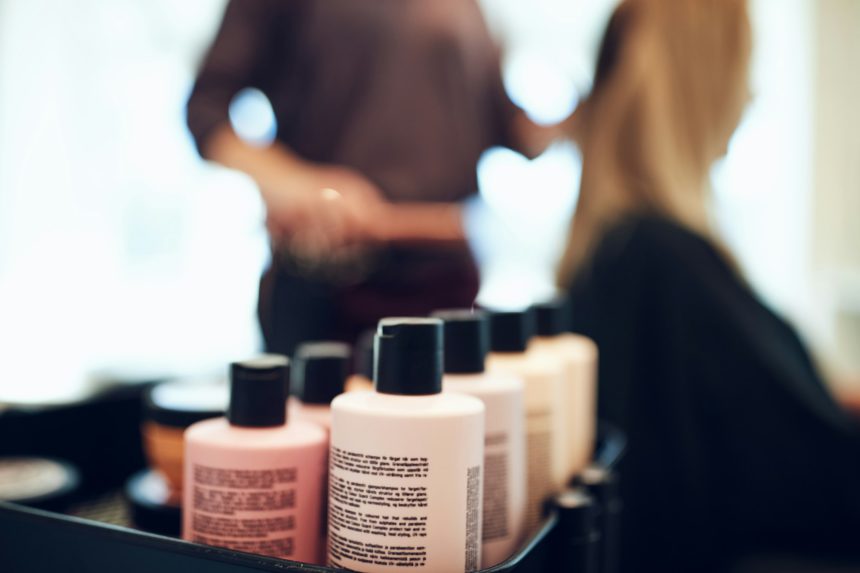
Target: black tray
102,438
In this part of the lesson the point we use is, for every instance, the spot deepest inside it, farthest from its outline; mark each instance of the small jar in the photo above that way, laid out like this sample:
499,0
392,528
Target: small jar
169,409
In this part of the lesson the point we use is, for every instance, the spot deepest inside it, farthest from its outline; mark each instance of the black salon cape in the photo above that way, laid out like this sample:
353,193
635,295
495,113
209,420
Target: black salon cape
735,445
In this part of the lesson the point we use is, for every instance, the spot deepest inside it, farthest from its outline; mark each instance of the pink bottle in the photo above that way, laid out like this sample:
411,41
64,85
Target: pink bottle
319,374
253,482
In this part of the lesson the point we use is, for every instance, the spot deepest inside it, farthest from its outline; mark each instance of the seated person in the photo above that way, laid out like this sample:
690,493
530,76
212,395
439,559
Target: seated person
735,443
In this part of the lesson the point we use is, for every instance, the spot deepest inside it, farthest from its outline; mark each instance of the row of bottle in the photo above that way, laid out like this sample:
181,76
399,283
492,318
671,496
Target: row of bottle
412,476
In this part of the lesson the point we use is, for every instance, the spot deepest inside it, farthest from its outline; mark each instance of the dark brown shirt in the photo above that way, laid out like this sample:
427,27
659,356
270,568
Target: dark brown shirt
734,444
408,92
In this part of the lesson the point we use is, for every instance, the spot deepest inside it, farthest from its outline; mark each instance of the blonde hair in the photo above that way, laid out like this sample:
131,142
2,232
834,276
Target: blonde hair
669,91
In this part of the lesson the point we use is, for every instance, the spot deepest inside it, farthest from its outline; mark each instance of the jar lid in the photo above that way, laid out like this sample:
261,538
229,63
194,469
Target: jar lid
44,483
181,403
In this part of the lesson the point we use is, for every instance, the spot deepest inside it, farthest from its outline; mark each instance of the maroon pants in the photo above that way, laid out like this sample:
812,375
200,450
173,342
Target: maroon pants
295,307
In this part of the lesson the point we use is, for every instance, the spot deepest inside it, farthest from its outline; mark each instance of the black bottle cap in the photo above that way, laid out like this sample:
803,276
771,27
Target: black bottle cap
319,371
577,511
511,330
467,340
364,354
258,391
408,356
551,317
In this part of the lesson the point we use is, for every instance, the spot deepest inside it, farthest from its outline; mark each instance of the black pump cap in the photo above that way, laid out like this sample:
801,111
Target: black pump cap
550,317
467,340
258,391
408,356
511,330
319,371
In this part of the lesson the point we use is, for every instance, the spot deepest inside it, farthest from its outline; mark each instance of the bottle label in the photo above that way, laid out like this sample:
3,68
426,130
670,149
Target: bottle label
372,523
245,510
496,510
538,463
473,516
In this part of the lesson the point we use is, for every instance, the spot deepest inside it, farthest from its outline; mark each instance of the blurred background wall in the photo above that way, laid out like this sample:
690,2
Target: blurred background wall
123,254
836,179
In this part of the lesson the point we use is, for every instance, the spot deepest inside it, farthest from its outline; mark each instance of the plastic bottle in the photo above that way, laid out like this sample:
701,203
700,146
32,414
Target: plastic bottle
467,342
510,332
578,355
254,482
406,462
319,374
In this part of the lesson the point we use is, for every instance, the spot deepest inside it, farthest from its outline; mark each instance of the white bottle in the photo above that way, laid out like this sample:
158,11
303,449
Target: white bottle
578,355
319,374
405,490
254,482
467,342
510,332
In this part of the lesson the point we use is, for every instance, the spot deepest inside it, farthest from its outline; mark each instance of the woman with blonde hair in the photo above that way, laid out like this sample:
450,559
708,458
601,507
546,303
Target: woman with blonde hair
736,446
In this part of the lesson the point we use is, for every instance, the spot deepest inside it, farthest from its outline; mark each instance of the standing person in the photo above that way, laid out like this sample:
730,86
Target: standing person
735,444
383,109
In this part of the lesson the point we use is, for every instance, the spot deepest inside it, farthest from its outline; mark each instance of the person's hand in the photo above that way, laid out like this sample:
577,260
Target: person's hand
321,211
310,207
